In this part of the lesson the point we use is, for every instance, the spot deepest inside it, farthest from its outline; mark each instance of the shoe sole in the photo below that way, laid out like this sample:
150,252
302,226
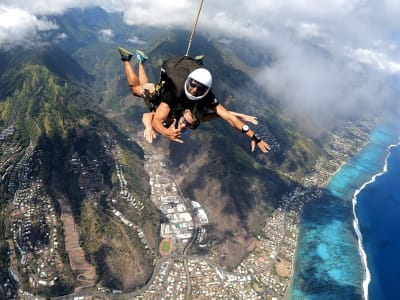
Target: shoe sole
141,55
124,52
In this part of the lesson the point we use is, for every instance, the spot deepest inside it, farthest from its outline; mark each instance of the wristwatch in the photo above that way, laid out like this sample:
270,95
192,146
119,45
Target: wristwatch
245,128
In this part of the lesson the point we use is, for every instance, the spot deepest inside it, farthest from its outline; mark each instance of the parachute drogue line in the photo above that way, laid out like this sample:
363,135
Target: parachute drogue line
194,27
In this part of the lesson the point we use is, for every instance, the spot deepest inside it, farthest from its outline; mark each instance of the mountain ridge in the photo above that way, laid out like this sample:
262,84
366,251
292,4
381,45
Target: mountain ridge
51,110
71,101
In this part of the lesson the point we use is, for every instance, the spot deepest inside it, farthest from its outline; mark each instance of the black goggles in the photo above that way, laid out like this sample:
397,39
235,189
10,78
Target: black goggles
201,88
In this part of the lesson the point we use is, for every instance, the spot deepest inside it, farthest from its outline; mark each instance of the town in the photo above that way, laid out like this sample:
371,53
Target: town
264,274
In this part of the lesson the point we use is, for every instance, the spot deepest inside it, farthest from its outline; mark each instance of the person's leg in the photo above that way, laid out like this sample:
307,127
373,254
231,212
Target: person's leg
141,58
131,77
142,74
137,85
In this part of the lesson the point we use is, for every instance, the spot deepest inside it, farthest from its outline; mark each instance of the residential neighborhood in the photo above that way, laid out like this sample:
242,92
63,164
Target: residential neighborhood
37,231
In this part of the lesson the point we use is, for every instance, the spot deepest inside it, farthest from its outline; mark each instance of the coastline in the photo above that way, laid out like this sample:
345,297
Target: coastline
356,223
367,160
288,295
341,147
258,276
356,226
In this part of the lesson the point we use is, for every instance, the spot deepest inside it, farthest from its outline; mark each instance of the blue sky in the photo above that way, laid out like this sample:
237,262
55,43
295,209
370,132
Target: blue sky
334,57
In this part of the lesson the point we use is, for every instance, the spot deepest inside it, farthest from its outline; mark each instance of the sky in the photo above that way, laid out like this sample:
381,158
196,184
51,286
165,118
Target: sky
332,57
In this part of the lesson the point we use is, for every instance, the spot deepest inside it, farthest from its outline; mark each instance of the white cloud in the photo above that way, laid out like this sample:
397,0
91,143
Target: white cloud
136,40
315,89
48,7
378,60
333,56
309,31
20,27
159,13
393,9
62,36
106,34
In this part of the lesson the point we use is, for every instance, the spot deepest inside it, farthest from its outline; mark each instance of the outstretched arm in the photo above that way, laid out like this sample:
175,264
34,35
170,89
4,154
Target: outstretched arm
160,116
236,123
149,134
245,118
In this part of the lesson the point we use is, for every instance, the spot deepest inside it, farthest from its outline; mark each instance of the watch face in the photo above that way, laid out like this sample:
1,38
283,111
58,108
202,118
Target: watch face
245,128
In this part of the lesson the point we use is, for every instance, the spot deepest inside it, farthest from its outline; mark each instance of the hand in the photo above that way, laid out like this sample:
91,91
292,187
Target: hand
149,134
262,145
173,134
250,119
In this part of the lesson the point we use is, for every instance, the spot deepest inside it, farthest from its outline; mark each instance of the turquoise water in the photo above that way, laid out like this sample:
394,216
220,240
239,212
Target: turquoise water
329,263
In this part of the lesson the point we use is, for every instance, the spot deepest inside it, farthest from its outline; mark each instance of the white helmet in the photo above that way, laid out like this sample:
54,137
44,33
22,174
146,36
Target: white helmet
201,79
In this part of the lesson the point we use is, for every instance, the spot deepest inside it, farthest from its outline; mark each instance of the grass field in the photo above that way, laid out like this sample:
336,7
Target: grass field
166,247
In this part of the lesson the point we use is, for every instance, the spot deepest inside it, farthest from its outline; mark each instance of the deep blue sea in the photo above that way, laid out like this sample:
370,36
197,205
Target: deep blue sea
349,240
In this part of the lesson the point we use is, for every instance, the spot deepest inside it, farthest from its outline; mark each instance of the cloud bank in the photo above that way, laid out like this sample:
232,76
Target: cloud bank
333,57
20,27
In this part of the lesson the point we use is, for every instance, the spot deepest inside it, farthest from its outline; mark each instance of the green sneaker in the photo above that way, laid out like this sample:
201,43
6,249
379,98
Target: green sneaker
125,54
141,57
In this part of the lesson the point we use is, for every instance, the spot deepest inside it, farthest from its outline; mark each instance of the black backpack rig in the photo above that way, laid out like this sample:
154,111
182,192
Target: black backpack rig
174,72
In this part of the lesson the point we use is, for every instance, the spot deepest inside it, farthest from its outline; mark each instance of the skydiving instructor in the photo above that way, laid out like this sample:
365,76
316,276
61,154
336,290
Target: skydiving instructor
188,84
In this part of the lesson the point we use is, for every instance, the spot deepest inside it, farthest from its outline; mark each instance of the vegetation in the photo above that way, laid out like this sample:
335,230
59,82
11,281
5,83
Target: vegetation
55,96
165,246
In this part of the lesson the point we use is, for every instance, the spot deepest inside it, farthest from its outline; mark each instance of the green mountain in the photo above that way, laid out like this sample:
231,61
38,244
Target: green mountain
61,146
71,111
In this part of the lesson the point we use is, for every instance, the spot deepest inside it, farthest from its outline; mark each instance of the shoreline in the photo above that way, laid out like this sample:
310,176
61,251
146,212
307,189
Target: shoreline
384,157
340,156
356,225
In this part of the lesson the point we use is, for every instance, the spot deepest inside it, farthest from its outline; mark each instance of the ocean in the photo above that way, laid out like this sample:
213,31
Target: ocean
348,245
